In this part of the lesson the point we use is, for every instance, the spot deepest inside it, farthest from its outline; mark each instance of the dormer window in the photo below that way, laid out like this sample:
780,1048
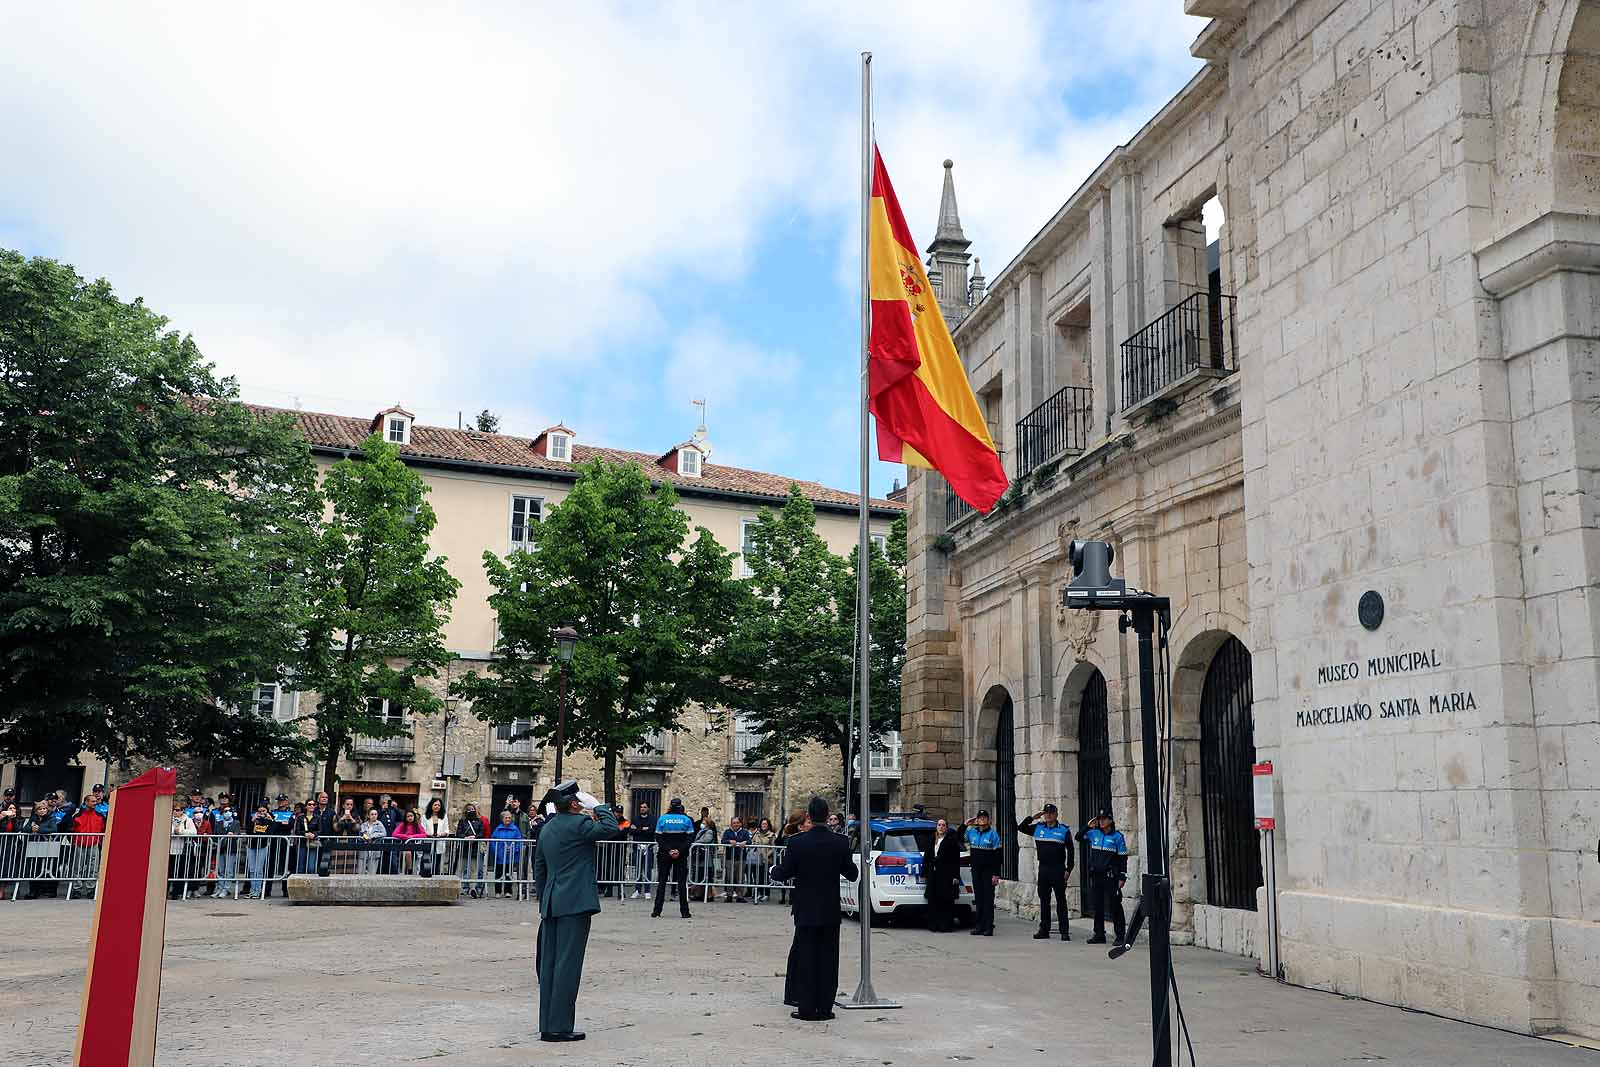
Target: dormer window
689,462
555,443
560,446
395,425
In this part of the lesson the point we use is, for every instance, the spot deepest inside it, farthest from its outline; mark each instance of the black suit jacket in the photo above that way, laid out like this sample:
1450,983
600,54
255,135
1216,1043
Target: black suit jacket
816,860
941,870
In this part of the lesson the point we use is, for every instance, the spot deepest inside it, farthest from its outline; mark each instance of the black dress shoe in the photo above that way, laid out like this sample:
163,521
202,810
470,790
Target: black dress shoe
1065,936
1098,939
570,1035
1042,935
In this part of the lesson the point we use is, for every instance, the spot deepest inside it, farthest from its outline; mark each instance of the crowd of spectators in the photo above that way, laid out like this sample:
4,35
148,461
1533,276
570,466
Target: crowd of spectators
53,847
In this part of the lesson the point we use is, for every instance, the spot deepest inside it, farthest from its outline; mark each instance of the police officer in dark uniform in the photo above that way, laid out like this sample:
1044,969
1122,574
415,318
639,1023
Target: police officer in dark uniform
1052,843
983,842
674,831
1105,851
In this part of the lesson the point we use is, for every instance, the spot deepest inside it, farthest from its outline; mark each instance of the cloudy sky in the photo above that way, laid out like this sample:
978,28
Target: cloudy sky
584,212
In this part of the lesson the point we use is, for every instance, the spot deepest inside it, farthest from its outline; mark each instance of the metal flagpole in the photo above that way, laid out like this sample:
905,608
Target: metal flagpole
865,997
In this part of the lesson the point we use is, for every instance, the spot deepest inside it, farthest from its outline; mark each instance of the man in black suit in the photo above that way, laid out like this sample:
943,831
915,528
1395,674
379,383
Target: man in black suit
816,860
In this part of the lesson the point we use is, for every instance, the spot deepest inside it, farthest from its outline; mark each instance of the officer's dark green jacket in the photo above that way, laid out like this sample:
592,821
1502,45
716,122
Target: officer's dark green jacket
564,867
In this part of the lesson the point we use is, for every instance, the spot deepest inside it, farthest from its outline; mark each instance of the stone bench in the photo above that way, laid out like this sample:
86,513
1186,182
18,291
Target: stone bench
372,889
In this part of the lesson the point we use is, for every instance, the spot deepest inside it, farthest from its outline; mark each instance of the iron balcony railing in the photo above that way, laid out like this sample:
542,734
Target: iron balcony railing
743,742
393,747
514,750
1195,335
955,509
655,748
1054,428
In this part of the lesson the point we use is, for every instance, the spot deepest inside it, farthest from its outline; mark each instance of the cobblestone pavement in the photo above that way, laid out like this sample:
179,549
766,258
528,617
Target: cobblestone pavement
275,984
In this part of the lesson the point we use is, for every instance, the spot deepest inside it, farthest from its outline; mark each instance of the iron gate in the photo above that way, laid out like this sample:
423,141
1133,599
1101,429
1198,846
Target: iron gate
1005,791
1094,766
1227,750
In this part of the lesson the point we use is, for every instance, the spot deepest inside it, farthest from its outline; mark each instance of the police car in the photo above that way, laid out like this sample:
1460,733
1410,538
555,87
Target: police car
898,842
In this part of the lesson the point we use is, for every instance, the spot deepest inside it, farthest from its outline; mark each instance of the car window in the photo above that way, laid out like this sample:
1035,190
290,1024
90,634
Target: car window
907,840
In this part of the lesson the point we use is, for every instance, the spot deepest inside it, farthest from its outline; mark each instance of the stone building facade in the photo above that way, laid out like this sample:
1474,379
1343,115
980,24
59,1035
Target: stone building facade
1354,440
485,489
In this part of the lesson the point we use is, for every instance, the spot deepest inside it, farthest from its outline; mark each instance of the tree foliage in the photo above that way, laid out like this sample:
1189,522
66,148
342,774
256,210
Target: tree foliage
152,533
377,603
792,656
488,421
652,609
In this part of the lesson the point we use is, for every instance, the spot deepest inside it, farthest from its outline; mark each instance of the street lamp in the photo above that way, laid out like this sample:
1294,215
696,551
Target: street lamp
566,641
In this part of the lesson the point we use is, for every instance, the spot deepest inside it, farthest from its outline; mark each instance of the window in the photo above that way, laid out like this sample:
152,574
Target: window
747,546
265,700
908,839
750,807
515,730
397,430
880,543
689,462
559,446
745,738
525,511
390,713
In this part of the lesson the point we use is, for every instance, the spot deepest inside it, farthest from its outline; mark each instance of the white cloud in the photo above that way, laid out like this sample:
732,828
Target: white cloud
462,207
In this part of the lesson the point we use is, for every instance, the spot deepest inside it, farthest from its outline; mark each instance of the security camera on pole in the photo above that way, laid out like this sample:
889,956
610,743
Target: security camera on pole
1093,589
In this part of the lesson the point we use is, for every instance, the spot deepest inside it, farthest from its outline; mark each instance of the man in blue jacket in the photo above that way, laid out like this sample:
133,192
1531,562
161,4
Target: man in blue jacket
1052,845
983,842
564,871
1106,854
674,832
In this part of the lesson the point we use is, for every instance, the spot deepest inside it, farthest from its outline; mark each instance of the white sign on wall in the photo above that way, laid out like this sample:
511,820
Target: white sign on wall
1262,773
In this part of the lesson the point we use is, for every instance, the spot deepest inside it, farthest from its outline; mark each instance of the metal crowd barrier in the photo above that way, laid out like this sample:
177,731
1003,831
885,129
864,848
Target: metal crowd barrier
243,866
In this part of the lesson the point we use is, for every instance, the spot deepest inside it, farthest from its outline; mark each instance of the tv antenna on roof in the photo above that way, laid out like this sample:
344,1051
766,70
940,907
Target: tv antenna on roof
700,433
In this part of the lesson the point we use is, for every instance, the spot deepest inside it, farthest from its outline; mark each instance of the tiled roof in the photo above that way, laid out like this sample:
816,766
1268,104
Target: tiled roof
503,450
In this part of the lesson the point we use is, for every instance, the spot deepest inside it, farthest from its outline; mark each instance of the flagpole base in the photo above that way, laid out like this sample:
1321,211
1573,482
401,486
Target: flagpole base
864,998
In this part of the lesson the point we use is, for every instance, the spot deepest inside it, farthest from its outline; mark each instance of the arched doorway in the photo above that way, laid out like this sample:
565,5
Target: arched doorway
1005,789
1227,750
1094,762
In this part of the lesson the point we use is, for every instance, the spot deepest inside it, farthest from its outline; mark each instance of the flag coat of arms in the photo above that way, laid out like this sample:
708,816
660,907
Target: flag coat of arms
918,389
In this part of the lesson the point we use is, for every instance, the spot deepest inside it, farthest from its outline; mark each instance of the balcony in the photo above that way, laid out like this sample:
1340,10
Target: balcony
955,509
743,742
884,764
521,750
1059,426
383,747
654,751
1193,340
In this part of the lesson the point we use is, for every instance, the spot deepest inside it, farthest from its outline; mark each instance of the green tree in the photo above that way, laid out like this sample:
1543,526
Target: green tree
378,603
488,421
791,661
652,611
153,532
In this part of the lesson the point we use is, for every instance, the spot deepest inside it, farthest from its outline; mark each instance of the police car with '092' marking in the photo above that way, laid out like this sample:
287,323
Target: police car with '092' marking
896,887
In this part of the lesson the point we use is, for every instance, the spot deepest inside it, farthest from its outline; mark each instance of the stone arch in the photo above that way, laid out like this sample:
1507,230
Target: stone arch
1196,638
992,770
1544,99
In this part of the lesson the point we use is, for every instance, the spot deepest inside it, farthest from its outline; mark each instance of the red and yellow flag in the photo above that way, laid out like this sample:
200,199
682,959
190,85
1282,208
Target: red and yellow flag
918,390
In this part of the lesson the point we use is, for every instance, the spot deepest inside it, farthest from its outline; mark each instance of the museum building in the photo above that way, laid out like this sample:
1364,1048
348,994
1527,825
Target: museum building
1318,352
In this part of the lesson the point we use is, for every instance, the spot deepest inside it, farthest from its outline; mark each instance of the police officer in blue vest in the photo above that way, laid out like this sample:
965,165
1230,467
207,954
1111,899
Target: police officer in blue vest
1105,851
983,842
1052,844
674,834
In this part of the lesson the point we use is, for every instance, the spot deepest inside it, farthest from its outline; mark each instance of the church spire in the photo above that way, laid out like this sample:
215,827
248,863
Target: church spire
947,255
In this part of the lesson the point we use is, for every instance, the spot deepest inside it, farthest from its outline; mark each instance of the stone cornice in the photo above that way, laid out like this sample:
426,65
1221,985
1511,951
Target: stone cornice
1558,241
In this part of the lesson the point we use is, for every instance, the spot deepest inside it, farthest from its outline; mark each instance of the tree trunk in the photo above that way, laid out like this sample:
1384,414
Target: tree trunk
330,767
611,776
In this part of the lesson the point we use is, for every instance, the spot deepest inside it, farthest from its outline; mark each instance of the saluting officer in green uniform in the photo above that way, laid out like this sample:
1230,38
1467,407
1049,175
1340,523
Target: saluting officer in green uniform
564,870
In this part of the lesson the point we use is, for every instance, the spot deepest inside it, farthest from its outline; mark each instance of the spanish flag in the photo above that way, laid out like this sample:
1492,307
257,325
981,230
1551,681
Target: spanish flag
918,390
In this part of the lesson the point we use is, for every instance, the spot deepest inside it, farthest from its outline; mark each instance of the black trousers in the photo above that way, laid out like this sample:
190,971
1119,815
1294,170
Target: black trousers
680,875
1053,884
983,901
941,912
813,976
1107,898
